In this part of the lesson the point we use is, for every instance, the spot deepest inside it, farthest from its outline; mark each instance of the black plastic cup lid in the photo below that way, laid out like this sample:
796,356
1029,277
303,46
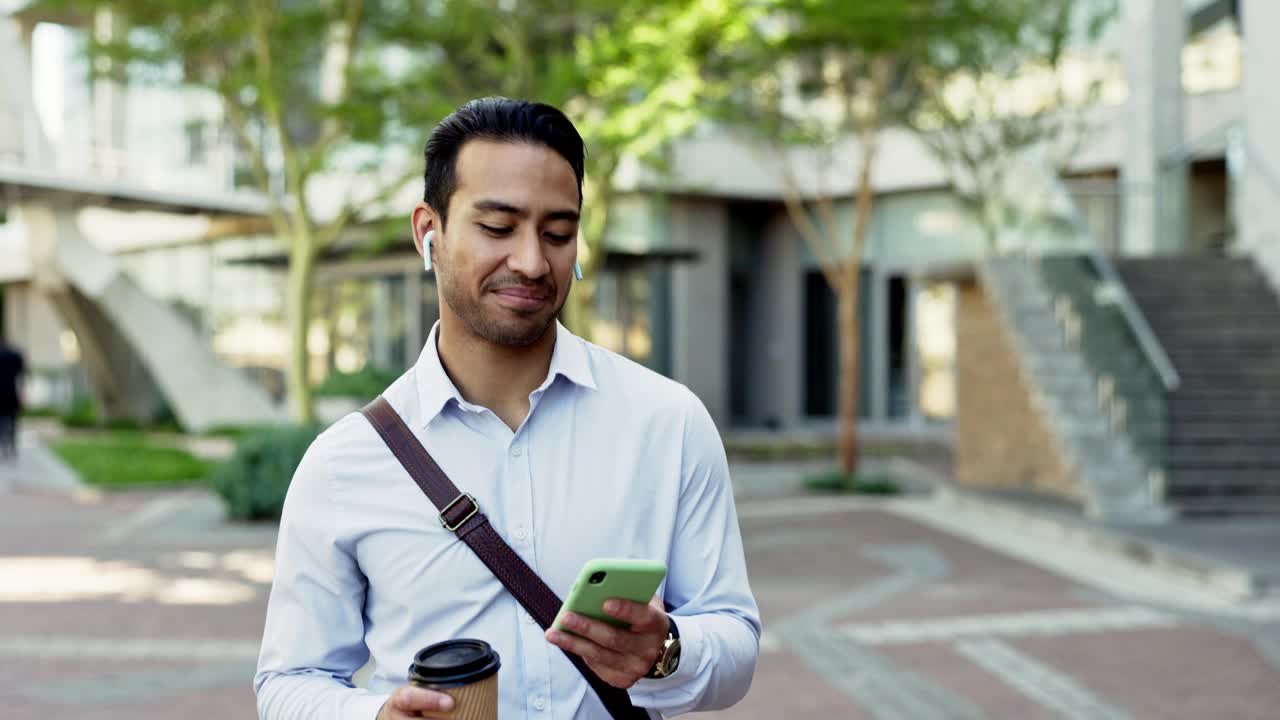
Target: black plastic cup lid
453,663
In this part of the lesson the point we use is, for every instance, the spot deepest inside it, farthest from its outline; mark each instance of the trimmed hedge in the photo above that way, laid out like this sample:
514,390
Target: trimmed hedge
254,481
365,383
840,483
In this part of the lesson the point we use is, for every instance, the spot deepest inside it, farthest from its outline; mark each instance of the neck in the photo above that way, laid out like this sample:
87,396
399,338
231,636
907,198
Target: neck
498,377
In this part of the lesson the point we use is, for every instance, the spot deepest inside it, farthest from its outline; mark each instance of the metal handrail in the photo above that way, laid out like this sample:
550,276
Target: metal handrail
1142,332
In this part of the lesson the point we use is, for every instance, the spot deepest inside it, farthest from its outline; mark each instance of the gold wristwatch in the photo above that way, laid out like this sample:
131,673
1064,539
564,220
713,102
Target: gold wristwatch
670,658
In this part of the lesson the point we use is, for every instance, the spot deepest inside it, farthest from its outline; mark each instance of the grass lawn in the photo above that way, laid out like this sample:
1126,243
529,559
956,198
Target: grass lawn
124,460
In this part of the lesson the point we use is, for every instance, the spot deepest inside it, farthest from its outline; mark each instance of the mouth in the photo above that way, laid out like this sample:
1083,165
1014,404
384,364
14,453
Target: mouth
523,298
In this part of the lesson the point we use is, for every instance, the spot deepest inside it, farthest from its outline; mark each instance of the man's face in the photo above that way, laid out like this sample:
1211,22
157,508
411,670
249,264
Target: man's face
504,260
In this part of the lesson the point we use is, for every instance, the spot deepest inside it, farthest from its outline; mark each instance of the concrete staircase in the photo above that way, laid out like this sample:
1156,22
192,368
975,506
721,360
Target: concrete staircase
1219,320
1119,484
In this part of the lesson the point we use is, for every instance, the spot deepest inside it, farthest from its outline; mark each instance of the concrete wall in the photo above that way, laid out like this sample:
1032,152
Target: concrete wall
32,324
1260,207
700,299
1001,439
776,380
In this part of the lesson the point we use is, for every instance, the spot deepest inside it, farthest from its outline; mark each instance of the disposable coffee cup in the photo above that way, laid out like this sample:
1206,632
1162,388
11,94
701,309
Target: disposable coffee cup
466,670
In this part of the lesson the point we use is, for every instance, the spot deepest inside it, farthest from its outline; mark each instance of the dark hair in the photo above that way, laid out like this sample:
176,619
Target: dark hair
495,118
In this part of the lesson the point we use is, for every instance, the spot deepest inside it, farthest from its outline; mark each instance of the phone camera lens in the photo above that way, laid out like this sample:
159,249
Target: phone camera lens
597,578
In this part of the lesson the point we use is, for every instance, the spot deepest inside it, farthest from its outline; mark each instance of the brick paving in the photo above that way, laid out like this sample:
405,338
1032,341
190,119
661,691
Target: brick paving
147,605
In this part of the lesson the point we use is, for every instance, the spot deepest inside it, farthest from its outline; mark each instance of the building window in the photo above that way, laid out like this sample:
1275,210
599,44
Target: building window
196,132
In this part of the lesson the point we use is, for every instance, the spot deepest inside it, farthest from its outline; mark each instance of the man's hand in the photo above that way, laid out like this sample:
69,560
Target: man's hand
620,657
410,702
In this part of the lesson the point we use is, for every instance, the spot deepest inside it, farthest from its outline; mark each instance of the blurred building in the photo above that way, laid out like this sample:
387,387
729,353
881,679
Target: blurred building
706,279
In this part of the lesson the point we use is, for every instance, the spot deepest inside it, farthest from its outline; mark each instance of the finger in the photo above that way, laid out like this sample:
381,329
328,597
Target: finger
615,678
641,616
604,634
410,699
598,656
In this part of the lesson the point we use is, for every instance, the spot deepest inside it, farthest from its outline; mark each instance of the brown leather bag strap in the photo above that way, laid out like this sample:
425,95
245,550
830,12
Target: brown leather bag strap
460,514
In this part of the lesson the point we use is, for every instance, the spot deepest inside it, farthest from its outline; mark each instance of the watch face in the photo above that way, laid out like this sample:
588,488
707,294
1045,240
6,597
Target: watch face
672,661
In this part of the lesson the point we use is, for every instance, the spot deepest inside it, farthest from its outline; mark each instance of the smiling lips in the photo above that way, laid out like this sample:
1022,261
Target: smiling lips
523,296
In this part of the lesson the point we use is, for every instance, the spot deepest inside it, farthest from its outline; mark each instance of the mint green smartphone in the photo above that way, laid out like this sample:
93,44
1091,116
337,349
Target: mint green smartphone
605,578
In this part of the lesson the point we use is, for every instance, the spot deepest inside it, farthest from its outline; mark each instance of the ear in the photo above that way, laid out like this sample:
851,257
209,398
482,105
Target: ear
424,220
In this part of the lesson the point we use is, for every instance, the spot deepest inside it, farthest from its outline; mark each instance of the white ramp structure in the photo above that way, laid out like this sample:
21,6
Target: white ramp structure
139,353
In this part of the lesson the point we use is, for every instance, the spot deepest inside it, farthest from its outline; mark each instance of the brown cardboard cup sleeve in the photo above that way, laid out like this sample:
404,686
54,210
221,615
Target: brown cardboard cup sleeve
466,669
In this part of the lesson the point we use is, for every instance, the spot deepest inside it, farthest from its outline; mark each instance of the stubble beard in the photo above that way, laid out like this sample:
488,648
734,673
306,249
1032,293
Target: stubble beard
524,330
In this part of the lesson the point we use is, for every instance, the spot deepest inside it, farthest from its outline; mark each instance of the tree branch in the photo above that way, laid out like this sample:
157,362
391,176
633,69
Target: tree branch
329,232
333,129
239,121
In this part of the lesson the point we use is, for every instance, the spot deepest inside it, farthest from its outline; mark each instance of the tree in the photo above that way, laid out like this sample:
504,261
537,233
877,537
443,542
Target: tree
995,104
631,74
309,91
832,77
343,91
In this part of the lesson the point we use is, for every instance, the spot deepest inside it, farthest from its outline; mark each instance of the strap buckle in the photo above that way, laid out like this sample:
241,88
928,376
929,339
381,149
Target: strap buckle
475,508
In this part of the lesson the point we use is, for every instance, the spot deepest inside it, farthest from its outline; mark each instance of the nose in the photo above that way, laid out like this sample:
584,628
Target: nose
527,256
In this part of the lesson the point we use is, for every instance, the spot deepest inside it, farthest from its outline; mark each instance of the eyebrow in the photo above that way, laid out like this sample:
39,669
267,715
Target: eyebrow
503,207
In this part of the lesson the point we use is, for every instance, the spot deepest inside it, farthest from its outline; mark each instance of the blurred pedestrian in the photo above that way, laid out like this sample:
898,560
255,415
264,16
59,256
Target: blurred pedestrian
12,367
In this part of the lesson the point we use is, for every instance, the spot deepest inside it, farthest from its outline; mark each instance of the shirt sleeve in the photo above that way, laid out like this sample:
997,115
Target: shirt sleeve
707,586
313,641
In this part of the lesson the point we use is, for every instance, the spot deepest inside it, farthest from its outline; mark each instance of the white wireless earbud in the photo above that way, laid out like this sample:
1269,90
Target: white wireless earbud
426,248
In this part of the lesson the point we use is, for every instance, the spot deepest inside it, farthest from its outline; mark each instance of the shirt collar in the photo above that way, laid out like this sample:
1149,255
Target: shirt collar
569,358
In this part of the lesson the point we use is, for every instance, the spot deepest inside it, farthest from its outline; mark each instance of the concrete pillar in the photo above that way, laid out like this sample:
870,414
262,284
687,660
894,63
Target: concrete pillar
778,378
1155,196
21,133
914,371
1258,216
109,102
876,353
700,312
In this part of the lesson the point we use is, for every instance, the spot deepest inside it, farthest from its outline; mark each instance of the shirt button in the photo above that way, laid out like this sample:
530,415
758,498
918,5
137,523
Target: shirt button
539,703
527,617
521,533
516,451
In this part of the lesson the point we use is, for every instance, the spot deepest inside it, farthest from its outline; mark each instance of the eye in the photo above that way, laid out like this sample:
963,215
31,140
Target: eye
495,231
559,238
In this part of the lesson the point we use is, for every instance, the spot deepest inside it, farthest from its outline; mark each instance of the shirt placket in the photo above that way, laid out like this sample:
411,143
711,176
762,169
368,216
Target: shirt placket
520,516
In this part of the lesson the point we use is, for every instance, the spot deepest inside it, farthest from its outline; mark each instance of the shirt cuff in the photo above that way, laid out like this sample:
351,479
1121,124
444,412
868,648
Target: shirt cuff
674,691
364,706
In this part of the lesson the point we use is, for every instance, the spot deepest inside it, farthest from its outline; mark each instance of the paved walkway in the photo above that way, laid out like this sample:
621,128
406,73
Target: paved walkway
146,605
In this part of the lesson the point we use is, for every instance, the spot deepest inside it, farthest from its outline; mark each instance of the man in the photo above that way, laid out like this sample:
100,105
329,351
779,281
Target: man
12,368
573,452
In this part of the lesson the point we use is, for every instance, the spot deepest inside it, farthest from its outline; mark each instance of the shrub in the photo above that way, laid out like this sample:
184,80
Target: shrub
365,383
83,413
254,481
837,482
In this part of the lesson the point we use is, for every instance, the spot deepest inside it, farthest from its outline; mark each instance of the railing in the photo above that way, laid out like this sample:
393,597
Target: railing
160,165
1133,374
1129,390
1136,321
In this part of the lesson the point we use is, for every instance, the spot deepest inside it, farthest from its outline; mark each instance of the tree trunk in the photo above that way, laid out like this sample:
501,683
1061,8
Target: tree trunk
302,261
850,321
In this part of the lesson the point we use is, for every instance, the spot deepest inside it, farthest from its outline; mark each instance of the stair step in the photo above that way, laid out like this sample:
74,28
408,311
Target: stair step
1226,457
1208,432
1215,506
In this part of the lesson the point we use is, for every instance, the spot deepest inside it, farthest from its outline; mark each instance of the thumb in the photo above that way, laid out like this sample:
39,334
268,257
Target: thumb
409,699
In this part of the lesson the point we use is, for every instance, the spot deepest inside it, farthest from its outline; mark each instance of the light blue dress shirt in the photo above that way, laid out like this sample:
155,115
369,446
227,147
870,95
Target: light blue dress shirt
613,460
